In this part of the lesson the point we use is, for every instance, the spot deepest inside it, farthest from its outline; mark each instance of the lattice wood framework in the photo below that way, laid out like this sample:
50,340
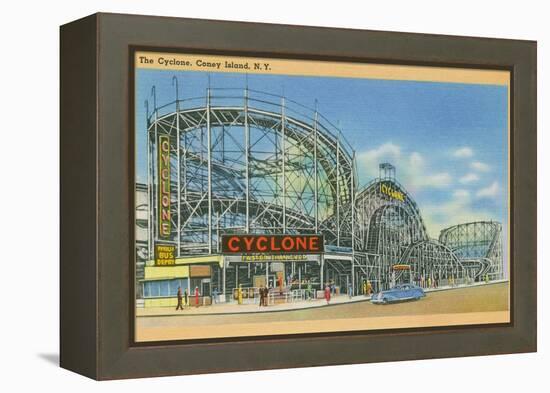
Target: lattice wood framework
479,247
247,161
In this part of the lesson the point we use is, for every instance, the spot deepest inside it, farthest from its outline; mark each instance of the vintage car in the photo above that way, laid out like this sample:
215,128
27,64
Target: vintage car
399,293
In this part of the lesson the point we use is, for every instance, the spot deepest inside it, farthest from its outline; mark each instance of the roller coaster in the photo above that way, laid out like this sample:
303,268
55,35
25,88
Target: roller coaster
246,161
478,245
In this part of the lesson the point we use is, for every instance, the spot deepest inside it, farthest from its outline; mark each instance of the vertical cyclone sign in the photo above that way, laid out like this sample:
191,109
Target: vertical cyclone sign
164,186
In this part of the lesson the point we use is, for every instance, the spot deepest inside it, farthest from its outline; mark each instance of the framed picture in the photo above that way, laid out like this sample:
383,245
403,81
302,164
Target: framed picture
241,196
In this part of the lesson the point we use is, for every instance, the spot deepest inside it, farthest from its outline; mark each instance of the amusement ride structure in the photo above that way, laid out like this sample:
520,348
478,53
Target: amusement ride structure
245,161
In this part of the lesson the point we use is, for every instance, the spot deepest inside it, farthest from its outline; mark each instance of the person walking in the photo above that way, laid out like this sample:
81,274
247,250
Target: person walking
369,288
180,300
350,290
197,294
261,291
215,296
327,293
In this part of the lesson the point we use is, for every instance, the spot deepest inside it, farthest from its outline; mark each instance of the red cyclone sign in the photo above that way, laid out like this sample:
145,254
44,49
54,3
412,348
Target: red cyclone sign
272,244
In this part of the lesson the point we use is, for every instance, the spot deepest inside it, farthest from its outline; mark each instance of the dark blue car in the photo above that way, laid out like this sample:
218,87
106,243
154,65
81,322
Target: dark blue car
399,293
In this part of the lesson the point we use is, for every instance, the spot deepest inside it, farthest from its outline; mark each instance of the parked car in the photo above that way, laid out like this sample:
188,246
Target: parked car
399,293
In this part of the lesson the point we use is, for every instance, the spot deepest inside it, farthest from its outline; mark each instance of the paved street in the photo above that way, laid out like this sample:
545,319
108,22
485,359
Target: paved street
470,305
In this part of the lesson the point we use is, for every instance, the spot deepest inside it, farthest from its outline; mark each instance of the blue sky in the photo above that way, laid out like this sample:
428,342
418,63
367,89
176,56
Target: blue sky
448,141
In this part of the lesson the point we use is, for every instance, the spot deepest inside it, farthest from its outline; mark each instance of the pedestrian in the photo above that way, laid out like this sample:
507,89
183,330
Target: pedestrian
261,291
365,290
260,296
280,284
215,296
240,294
327,293
350,290
180,299
309,290
186,297
369,288
197,294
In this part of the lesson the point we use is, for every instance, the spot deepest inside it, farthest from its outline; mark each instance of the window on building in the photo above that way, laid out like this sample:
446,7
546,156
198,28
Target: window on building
163,288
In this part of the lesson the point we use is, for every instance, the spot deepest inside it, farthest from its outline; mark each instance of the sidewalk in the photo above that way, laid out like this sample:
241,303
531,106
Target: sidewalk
234,308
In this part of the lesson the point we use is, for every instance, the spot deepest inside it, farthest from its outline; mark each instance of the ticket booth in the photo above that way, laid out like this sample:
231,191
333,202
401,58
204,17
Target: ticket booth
401,274
200,276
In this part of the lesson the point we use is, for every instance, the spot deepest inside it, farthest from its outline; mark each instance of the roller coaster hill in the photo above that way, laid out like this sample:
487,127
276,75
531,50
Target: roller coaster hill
240,161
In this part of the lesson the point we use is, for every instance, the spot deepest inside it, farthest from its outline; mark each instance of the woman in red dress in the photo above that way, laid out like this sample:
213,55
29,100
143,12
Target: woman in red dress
197,296
327,294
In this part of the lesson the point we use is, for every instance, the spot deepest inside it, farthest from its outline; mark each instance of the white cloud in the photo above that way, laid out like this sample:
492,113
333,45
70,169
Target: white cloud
438,180
489,192
416,172
416,159
469,178
385,152
461,194
463,152
457,210
480,166
412,168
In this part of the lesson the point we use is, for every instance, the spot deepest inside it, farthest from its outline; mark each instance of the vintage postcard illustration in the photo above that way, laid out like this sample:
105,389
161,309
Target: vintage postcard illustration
285,196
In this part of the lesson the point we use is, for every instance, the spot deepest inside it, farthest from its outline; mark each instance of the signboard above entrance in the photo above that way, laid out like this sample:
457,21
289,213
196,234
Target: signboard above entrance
272,244
165,254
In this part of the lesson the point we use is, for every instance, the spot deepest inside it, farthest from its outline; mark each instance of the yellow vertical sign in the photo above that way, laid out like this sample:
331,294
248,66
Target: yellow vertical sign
165,225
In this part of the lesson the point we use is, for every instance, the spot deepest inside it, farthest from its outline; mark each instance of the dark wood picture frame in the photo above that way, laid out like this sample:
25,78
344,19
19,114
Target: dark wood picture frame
97,199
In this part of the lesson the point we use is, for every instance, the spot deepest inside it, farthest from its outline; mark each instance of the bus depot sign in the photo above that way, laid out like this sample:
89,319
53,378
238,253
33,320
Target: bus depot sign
164,186
165,254
272,244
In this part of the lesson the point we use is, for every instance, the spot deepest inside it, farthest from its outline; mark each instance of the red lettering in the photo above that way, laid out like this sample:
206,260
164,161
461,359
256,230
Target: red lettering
248,243
261,239
273,245
314,243
262,243
230,244
287,243
301,243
